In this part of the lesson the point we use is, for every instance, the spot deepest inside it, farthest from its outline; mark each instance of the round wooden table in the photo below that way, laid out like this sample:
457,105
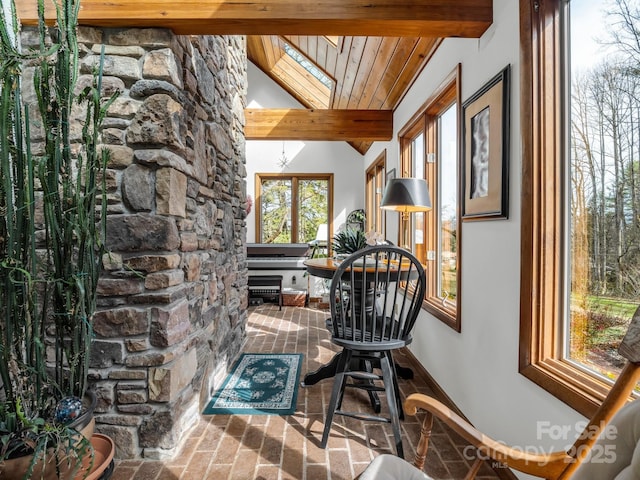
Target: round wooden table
321,267
326,267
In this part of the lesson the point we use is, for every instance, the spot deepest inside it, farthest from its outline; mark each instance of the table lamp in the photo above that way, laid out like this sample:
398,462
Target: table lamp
320,242
406,195
322,235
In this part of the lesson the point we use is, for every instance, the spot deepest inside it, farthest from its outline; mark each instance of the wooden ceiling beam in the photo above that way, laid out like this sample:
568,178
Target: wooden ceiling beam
415,18
300,124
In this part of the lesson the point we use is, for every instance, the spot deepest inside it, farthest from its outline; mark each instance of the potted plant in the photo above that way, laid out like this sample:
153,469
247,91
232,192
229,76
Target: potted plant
348,241
50,242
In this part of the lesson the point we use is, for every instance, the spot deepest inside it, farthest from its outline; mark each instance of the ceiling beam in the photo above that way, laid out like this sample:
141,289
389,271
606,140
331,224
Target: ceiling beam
299,124
415,18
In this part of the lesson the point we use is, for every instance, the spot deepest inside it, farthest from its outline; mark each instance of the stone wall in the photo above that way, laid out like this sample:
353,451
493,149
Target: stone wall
172,308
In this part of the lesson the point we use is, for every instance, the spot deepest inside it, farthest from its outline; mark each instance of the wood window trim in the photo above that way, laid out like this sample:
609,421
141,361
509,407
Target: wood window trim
449,93
423,120
294,177
409,132
375,217
542,286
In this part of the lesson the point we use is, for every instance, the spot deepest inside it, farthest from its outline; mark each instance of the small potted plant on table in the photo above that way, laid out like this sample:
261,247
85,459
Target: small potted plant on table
348,241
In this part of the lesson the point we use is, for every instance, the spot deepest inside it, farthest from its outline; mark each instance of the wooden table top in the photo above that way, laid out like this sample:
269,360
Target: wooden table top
321,267
326,267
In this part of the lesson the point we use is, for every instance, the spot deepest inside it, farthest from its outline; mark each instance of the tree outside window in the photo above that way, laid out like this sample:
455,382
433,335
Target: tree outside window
292,207
604,205
580,278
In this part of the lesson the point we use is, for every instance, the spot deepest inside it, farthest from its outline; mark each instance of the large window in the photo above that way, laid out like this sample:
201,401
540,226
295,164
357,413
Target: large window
429,150
292,207
447,219
581,184
375,181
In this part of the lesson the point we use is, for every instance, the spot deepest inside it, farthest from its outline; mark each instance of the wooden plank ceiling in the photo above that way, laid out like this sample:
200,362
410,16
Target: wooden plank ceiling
368,73
373,54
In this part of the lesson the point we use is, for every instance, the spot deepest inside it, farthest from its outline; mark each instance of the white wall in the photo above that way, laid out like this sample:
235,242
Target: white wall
338,158
478,368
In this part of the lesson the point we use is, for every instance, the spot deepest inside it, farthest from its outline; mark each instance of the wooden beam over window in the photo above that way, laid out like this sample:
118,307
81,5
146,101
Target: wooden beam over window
418,18
298,124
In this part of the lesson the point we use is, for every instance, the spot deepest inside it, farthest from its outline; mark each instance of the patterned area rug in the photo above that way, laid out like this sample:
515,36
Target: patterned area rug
259,384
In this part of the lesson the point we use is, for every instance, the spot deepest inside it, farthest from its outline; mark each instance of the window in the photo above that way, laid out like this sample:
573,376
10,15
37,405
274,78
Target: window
309,84
309,66
292,207
580,261
376,177
429,150
447,220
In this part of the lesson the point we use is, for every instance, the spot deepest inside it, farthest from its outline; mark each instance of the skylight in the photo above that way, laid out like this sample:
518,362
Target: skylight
308,66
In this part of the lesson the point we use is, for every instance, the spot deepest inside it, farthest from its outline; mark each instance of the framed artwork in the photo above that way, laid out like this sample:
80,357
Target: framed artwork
485,134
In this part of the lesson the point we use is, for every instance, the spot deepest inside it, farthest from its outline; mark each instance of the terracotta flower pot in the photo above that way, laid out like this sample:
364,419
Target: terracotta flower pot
16,468
102,453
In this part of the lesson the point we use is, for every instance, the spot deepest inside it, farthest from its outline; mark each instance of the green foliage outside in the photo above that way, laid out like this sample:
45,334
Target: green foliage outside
598,325
604,207
313,208
278,212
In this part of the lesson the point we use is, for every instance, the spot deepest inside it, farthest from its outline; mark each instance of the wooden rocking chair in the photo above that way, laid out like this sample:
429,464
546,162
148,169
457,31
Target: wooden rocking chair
559,465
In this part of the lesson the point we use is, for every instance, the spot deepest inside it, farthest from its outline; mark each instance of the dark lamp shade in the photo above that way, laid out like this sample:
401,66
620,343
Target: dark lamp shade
406,195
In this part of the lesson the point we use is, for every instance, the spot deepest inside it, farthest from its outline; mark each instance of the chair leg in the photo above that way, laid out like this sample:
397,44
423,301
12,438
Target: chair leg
373,396
396,387
347,368
342,389
336,394
388,376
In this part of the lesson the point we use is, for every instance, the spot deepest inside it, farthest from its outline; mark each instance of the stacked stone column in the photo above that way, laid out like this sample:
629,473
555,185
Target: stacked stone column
172,308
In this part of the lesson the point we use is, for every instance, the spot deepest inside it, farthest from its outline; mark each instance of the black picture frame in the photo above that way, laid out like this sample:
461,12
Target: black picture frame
485,157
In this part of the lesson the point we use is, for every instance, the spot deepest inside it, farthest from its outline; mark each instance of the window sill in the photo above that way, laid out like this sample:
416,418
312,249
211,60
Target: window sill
447,314
580,390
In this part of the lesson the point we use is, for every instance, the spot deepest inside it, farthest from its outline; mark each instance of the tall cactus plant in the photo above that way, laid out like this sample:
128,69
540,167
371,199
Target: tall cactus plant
50,217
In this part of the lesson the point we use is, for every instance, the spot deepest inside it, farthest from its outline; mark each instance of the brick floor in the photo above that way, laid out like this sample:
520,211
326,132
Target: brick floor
265,447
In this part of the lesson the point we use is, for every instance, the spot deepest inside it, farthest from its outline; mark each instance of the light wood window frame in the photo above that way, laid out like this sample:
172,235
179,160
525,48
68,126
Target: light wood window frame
426,120
294,177
374,189
543,103
416,126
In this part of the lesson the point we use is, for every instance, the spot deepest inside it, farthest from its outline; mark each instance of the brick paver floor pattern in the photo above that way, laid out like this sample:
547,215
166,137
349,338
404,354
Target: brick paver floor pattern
272,447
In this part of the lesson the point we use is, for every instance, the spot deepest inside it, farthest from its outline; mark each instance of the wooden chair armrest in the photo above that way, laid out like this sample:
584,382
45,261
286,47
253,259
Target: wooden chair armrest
549,465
